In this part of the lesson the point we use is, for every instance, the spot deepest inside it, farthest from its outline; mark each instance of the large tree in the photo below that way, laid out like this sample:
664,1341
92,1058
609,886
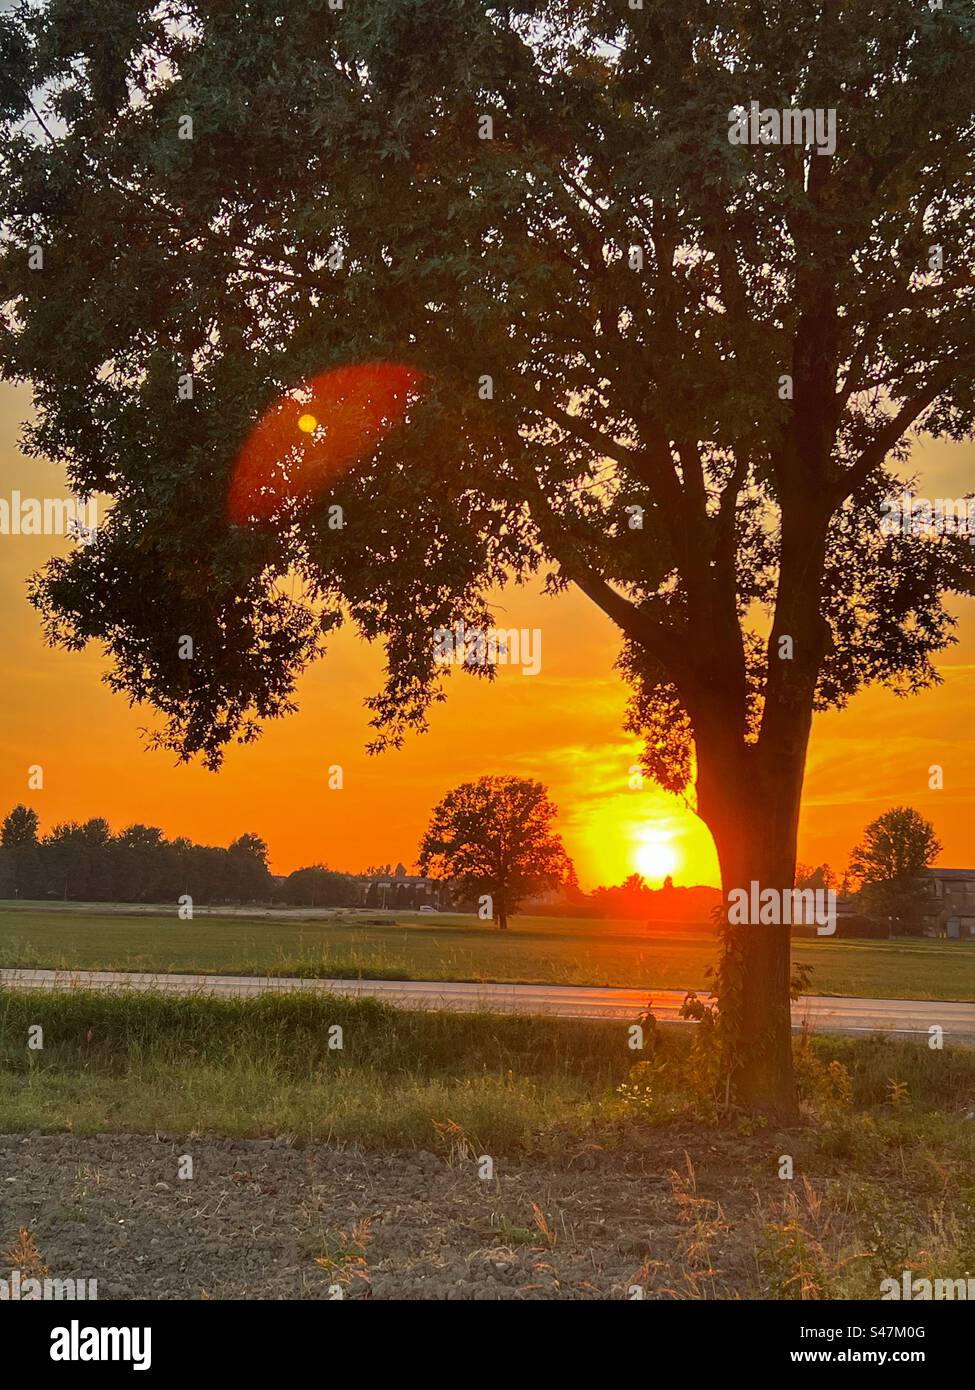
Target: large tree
495,840
676,371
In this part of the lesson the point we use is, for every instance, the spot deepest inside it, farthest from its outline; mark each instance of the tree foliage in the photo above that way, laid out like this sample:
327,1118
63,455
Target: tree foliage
495,837
316,130
19,828
889,863
88,863
319,886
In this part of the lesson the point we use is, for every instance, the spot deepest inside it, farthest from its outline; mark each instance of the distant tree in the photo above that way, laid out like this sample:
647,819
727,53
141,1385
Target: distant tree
8,873
140,865
889,863
631,898
573,892
495,837
252,846
24,869
64,832
147,837
634,898
96,833
77,860
319,886
66,860
250,875
19,828
247,878
820,877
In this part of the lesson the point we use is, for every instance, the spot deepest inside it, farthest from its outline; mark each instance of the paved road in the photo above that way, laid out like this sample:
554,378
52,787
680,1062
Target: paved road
825,1014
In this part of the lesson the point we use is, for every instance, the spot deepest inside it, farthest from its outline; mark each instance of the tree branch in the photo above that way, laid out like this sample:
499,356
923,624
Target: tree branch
888,436
661,640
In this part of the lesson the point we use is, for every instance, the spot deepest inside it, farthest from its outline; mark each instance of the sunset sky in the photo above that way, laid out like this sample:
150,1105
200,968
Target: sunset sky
563,726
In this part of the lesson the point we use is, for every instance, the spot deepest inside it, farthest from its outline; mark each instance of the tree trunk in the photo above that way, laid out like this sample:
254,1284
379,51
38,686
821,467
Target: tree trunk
752,811
749,795
755,973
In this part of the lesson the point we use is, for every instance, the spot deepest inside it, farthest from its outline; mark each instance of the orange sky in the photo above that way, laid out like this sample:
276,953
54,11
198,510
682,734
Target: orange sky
563,726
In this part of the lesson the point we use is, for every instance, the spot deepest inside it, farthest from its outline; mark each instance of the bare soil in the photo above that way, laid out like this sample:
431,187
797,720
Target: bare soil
266,1219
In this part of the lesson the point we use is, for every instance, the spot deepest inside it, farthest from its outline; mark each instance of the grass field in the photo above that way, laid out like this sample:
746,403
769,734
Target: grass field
547,950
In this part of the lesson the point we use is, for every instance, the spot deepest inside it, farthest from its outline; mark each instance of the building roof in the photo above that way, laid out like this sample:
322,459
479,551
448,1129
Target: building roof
953,874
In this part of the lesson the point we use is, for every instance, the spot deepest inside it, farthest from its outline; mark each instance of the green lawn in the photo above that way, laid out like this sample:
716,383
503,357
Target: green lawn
406,946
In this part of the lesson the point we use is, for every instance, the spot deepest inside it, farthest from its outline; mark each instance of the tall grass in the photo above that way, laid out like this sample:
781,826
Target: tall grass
109,1032
264,1066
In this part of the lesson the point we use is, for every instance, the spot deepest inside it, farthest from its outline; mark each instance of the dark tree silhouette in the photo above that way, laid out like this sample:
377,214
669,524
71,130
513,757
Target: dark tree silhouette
22,874
78,862
19,828
319,886
889,863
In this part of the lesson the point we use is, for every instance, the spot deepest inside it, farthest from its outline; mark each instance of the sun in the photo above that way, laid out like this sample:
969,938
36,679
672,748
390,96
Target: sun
655,856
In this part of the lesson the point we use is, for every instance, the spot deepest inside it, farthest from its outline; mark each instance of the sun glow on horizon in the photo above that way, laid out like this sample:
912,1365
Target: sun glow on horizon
652,834
655,855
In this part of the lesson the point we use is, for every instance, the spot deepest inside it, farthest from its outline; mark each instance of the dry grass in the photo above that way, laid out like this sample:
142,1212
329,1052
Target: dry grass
23,1254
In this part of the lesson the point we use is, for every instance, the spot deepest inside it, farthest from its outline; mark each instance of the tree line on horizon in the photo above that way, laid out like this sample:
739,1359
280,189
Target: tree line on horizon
87,862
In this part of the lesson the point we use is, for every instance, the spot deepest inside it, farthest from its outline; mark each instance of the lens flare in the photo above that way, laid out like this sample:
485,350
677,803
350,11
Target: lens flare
308,438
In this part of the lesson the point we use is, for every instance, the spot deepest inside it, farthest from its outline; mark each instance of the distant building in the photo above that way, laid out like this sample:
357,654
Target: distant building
851,921
404,892
551,897
951,912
